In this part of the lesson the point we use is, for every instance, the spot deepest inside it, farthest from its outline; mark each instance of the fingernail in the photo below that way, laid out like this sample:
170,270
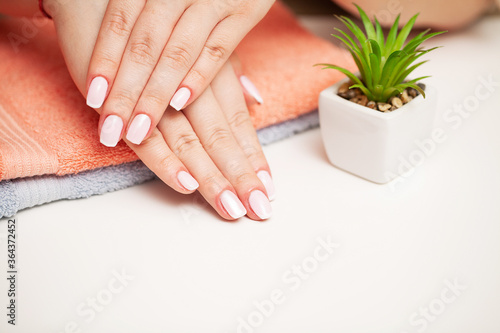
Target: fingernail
111,130
260,204
187,181
138,129
97,92
251,89
232,204
266,179
180,98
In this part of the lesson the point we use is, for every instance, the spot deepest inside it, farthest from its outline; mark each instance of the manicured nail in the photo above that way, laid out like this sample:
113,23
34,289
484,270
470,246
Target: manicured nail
111,130
260,204
97,92
266,179
187,181
138,129
180,98
232,204
251,89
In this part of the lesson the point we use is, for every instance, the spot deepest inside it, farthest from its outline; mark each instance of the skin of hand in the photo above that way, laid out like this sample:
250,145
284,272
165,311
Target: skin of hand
152,53
212,140
438,14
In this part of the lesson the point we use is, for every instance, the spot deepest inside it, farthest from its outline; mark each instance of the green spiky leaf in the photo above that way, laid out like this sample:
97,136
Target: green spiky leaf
384,62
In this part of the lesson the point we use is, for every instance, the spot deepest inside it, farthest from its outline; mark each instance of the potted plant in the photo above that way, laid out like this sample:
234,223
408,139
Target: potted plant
372,120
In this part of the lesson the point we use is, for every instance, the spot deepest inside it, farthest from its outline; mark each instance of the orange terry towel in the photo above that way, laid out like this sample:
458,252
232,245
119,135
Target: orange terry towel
46,127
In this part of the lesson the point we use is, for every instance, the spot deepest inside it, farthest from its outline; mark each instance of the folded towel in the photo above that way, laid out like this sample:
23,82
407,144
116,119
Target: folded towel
21,193
46,128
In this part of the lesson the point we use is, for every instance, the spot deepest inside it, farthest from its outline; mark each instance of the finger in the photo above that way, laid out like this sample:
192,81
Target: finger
219,46
211,126
229,95
141,55
252,96
235,61
162,161
112,39
214,187
179,54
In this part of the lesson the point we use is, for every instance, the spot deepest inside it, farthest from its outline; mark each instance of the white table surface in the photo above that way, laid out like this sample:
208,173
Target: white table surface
400,245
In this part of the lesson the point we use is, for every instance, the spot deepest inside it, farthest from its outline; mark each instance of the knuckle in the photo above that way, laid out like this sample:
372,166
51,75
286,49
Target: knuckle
185,143
242,179
213,182
141,51
178,56
122,100
239,119
118,23
217,137
154,98
253,152
199,77
106,61
167,162
215,52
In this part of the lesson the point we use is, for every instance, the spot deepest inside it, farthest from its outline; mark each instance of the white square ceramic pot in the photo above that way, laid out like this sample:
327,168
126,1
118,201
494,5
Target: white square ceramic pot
372,144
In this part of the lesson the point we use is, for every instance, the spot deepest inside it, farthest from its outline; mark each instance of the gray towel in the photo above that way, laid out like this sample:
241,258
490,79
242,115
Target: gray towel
21,193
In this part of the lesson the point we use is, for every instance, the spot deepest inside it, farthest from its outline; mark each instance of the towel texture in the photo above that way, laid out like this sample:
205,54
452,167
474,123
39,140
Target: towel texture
46,128
21,193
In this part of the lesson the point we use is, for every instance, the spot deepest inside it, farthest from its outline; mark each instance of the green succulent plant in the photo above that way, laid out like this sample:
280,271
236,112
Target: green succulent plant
384,63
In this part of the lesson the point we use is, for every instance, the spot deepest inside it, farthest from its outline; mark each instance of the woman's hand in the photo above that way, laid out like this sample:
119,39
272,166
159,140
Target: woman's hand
152,53
214,142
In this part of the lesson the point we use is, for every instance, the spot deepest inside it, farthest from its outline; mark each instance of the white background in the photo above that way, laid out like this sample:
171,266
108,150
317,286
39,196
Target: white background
400,244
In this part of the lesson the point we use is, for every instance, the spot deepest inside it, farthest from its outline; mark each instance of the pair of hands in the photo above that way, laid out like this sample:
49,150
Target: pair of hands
211,146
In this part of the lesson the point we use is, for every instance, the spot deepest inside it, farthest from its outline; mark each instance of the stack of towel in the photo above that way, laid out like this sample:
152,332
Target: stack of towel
49,148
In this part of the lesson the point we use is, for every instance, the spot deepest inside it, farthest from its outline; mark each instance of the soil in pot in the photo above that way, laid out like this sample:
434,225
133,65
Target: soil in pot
356,96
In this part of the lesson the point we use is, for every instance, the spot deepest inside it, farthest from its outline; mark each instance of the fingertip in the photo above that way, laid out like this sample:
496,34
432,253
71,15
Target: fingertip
97,92
260,204
232,205
138,129
236,63
111,130
180,98
267,181
187,181
251,89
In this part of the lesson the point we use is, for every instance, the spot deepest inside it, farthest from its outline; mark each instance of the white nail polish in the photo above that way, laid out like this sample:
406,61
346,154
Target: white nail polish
111,131
251,89
187,181
232,204
97,92
266,179
260,204
180,98
138,129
